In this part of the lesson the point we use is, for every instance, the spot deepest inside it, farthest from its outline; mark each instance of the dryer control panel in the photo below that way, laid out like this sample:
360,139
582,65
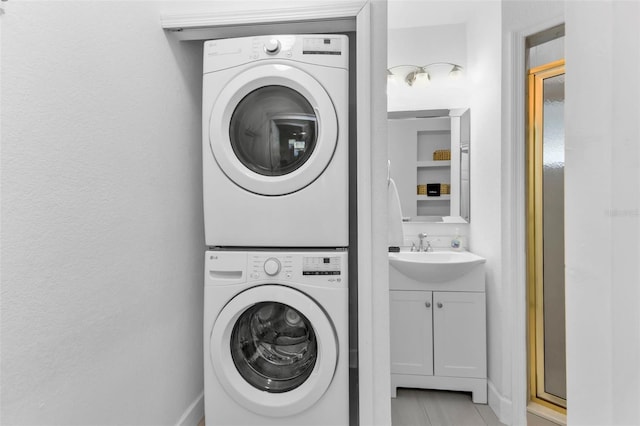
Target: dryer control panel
319,49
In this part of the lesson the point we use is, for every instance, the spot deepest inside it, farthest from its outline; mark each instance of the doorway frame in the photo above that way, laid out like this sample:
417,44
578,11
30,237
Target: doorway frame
514,411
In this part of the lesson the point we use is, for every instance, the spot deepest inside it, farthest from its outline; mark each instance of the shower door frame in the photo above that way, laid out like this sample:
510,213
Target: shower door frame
534,232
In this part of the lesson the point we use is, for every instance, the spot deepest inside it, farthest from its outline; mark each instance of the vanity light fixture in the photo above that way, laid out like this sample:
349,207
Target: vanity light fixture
419,76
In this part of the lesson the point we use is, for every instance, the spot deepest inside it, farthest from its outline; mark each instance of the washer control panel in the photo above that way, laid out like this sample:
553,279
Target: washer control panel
304,267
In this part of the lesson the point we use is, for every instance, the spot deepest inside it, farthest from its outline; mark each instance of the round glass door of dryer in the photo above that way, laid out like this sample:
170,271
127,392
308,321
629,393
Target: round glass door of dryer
274,350
273,129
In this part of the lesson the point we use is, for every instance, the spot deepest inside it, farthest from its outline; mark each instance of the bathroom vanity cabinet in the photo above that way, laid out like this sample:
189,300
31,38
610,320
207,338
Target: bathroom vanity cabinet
438,334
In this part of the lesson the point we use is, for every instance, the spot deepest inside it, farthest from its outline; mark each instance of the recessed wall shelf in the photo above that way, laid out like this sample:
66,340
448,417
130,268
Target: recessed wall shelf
416,139
445,197
440,163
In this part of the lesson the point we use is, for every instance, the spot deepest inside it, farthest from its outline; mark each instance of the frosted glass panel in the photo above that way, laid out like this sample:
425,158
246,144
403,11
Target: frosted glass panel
553,235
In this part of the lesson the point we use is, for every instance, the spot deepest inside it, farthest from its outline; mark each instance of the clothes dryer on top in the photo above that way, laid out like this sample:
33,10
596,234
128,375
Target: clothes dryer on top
275,141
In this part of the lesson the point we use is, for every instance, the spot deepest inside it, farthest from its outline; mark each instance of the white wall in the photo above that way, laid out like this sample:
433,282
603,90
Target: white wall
603,212
519,19
102,239
484,47
375,392
602,201
425,45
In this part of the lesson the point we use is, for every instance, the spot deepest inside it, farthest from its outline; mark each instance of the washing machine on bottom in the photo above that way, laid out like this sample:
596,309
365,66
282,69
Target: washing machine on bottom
276,338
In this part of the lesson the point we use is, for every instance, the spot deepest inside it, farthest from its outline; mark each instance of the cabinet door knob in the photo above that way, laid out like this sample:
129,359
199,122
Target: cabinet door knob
427,304
439,305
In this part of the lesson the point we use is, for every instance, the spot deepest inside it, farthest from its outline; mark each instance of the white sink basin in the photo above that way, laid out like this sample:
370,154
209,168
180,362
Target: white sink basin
436,266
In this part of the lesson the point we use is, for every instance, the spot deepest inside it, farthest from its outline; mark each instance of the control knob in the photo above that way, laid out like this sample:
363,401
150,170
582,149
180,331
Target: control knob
272,266
272,46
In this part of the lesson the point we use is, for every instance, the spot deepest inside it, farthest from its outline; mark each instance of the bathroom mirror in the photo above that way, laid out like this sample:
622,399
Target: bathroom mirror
429,160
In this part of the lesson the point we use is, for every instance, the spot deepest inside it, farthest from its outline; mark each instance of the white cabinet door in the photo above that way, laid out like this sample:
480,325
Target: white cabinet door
411,332
459,323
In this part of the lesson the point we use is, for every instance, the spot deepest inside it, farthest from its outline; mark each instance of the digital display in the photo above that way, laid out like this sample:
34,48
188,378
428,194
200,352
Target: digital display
320,272
321,266
321,46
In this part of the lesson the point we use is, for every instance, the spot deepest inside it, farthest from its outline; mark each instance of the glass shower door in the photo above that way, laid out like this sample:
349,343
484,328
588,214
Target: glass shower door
546,274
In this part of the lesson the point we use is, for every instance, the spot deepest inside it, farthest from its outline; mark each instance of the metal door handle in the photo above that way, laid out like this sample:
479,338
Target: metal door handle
318,125
439,305
427,304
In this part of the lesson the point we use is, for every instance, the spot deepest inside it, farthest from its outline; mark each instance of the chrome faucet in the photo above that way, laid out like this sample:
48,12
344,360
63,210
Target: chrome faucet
422,237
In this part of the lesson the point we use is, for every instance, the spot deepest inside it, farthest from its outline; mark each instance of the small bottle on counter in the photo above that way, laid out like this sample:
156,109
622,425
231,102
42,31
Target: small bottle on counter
456,241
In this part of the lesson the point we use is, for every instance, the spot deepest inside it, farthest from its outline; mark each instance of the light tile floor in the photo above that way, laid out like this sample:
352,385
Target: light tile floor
533,420
421,407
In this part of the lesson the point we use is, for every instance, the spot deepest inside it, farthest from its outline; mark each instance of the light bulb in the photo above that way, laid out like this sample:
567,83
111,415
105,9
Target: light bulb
455,73
393,79
421,79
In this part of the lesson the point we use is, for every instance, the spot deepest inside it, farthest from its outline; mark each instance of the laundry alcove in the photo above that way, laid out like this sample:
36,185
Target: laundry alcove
369,311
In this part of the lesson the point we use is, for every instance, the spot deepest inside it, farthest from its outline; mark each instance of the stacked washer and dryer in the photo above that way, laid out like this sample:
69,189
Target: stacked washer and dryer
275,169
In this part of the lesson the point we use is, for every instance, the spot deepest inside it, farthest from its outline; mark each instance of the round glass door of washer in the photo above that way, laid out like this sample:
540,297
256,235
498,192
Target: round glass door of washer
273,129
273,347
274,350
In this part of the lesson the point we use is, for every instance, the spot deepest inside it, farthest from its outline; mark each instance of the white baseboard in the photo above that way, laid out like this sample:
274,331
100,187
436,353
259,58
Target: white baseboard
500,405
194,413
